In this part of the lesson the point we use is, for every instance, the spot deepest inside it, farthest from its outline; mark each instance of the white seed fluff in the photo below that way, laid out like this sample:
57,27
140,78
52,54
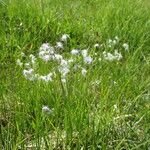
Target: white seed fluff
64,37
84,71
75,52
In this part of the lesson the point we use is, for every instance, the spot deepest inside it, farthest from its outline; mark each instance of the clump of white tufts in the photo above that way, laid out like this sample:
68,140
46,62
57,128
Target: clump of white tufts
46,52
46,78
108,56
19,63
96,45
83,71
117,55
111,57
75,52
113,42
126,46
77,61
84,52
64,68
58,57
59,45
46,110
33,59
88,60
29,74
65,37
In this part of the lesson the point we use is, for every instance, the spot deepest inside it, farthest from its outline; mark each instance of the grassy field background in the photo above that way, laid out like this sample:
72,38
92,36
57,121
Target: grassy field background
109,108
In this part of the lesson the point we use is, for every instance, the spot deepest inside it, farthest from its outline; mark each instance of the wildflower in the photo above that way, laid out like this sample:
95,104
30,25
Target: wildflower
117,55
46,58
44,47
64,70
58,57
64,37
84,52
84,71
64,63
88,60
96,45
75,52
46,78
47,49
46,110
33,59
111,57
19,63
46,52
29,74
59,45
108,56
126,46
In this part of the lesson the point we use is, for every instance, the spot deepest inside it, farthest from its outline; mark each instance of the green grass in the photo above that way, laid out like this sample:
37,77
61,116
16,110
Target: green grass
85,115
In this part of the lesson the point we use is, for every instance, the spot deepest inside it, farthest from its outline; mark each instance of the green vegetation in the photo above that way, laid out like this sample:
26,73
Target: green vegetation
108,108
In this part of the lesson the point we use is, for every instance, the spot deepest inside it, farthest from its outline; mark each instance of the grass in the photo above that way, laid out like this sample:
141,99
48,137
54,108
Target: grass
109,108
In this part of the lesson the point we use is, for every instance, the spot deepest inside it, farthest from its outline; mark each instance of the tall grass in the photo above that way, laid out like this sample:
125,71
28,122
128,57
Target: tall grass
107,109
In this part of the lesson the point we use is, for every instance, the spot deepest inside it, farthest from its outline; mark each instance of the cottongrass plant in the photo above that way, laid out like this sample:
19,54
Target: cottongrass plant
84,90
65,68
78,58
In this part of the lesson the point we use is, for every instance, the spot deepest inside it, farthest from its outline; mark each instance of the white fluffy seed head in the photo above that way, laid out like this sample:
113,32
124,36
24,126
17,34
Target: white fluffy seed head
46,78
19,63
84,52
75,52
33,59
46,52
126,46
46,58
29,74
111,57
46,110
96,45
59,45
58,57
65,37
83,71
88,60
118,55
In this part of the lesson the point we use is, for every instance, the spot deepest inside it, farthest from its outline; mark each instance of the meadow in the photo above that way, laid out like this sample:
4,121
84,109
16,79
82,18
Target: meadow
74,75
